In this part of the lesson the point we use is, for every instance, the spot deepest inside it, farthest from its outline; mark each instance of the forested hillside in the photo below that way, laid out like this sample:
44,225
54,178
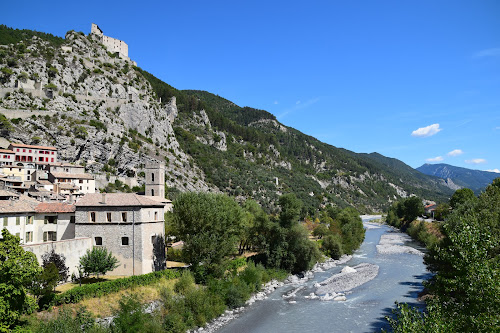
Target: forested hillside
113,117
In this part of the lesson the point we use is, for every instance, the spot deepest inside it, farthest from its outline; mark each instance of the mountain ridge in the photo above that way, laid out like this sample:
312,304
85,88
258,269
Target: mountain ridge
476,180
113,117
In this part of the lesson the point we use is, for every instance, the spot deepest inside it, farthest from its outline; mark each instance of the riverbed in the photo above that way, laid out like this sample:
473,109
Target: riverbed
399,278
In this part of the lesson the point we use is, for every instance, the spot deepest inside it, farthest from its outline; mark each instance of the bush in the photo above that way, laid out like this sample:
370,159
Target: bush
332,246
132,317
185,283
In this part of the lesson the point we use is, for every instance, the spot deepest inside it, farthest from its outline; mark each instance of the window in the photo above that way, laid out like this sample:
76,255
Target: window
152,192
29,220
124,216
49,236
154,239
80,181
124,240
50,220
92,216
52,159
108,217
18,220
156,216
29,237
72,219
27,177
5,221
98,241
152,177
30,150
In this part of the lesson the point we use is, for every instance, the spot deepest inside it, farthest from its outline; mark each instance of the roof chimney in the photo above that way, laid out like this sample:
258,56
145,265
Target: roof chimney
103,199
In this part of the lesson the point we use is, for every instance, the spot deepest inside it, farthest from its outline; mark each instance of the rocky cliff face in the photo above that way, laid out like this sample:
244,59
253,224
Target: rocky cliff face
100,111
112,117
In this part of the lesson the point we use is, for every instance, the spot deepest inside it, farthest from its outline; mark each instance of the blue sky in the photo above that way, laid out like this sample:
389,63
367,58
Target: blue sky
414,80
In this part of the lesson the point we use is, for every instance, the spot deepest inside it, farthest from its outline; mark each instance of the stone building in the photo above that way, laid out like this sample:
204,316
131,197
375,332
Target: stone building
131,226
155,179
112,44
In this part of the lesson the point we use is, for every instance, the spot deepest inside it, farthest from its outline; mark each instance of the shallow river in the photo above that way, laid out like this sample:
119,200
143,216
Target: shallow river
399,279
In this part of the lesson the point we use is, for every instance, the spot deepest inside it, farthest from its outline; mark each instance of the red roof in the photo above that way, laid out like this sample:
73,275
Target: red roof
54,207
20,145
6,151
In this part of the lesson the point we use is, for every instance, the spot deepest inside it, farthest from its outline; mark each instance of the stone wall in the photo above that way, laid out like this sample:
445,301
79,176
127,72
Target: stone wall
72,249
136,257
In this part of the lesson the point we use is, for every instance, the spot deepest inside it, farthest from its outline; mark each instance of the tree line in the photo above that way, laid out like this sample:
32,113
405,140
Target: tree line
465,288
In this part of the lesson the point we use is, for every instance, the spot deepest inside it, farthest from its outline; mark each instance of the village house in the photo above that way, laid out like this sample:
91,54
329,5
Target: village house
30,153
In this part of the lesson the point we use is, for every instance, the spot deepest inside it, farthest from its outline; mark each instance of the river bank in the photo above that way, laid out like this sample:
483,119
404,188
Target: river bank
290,308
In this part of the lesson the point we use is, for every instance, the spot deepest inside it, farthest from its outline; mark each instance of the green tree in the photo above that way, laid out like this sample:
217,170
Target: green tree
320,231
413,207
44,284
59,261
332,246
461,196
209,224
98,261
442,211
18,269
290,209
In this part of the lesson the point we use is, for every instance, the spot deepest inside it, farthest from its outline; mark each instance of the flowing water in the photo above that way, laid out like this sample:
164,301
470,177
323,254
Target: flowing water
399,279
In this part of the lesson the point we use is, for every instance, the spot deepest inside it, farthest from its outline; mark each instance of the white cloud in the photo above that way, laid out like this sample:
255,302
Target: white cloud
435,159
476,161
455,152
423,132
494,170
276,102
494,52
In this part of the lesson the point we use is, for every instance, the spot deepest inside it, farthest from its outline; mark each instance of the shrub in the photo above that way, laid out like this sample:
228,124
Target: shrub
332,246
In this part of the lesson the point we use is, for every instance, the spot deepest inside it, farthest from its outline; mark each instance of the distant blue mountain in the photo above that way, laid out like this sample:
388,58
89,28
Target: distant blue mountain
476,180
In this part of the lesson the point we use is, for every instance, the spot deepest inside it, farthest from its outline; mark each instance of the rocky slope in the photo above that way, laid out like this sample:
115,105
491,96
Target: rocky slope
103,112
476,180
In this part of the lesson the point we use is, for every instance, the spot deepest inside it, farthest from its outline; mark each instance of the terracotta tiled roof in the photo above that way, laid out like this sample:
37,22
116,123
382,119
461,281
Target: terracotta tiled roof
54,207
4,193
23,205
44,182
72,175
6,151
116,199
20,145
68,186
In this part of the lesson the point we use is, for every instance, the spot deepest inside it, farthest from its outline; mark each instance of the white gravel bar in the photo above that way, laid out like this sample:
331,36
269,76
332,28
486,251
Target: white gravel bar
347,279
394,244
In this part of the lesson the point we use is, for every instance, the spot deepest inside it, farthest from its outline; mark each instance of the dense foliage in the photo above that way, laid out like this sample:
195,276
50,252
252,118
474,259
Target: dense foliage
466,264
209,225
13,36
18,269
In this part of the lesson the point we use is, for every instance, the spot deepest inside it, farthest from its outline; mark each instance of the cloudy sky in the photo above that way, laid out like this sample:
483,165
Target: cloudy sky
414,80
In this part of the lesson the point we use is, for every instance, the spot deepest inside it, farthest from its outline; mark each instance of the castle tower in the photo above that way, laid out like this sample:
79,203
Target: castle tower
155,179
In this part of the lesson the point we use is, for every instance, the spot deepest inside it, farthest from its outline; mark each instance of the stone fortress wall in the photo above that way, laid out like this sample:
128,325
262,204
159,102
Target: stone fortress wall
114,45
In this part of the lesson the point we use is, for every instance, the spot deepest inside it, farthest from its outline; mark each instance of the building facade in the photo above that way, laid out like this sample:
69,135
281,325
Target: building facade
35,154
129,225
